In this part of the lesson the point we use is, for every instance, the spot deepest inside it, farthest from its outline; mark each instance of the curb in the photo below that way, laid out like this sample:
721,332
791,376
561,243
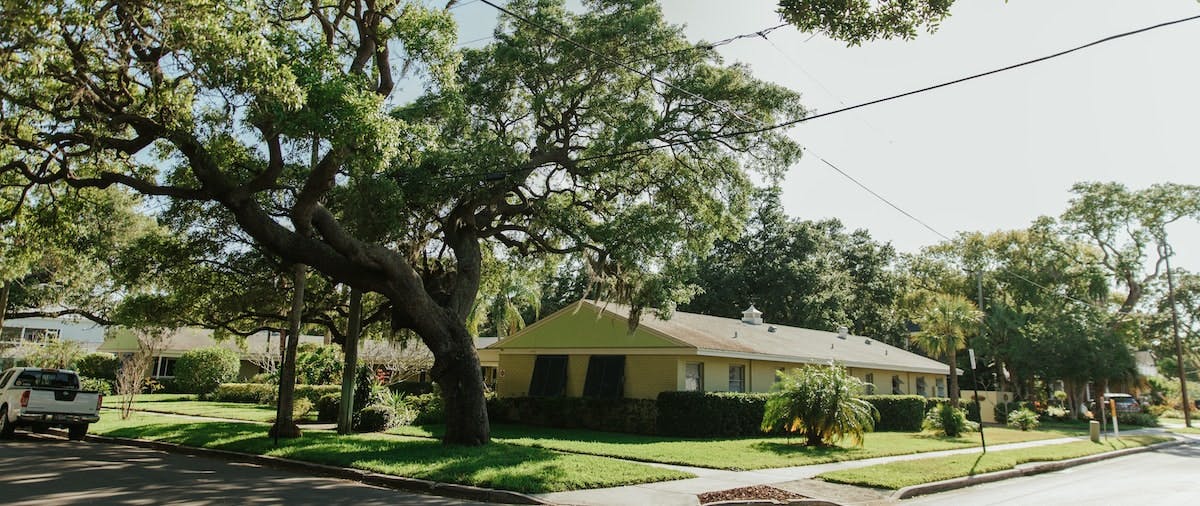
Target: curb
450,490
1028,469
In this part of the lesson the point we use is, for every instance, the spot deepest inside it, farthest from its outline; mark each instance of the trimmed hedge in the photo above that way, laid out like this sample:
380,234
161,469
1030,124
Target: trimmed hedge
327,408
375,418
428,407
615,415
899,413
705,414
411,388
259,393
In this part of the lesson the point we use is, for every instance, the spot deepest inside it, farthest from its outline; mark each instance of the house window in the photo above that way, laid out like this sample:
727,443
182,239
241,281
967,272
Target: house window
737,378
693,377
605,377
164,367
897,385
921,386
940,386
869,379
549,376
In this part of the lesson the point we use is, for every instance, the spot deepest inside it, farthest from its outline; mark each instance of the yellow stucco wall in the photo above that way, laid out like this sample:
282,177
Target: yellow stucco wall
514,375
647,375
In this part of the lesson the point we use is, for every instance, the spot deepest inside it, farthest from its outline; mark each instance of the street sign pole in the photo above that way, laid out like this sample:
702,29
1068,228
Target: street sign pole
978,405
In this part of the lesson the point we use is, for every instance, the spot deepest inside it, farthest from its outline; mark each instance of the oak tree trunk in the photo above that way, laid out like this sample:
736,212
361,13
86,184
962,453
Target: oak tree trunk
284,425
3,301
456,370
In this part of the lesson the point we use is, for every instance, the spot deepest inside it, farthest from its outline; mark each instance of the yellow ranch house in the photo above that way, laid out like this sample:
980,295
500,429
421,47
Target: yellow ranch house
586,350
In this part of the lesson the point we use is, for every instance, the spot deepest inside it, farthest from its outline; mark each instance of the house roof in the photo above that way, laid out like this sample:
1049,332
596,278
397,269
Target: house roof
190,338
713,335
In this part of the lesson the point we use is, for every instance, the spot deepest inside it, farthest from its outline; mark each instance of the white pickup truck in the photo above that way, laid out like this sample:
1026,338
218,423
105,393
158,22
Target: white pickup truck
44,398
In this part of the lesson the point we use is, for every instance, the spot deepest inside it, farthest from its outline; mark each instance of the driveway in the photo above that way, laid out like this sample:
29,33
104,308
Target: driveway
38,470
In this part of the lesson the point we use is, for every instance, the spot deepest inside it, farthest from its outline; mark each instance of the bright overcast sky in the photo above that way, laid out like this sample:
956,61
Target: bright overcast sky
986,155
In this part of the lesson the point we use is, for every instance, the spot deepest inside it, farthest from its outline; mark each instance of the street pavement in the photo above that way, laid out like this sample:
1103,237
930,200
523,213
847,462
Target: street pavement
1163,477
38,470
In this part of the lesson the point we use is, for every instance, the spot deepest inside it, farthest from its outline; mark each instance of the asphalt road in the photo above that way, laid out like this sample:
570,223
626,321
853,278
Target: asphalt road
45,471
1165,477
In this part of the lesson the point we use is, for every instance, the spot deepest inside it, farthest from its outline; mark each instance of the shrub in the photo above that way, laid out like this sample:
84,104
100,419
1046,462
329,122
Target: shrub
821,403
319,365
1158,410
427,408
1057,414
327,408
1002,409
271,378
704,414
260,393
104,386
99,366
1024,419
1141,419
947,420
202,371
301,407
411,388
636,416
375,418
900,413
151,386
364,379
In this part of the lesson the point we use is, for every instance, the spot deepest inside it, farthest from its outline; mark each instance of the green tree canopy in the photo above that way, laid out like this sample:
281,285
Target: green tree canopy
284,115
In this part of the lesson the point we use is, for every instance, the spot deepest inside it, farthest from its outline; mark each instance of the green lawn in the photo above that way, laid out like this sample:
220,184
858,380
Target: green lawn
165,403
1186,430
114,400
914,472
736,453
499,465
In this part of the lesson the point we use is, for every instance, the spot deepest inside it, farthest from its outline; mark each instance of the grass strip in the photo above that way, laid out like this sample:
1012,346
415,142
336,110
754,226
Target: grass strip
498,465
902,474
737,453
233,410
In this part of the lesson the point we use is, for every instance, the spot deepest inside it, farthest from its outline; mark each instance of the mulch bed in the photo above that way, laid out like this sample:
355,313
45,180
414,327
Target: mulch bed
759,492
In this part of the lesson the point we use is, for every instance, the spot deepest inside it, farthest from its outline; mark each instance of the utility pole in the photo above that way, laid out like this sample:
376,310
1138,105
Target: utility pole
1183,392
974,374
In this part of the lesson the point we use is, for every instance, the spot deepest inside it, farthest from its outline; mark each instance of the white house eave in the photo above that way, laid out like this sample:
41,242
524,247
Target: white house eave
821,361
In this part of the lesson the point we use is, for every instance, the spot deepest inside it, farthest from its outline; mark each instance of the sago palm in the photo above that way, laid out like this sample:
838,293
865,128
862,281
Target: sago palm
820,402
945,324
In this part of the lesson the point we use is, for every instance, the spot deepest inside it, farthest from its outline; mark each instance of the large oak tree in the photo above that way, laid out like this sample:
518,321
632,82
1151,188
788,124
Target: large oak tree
286,115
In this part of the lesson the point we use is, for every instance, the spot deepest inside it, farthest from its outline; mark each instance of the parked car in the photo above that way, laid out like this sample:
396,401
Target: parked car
1125,403
43,398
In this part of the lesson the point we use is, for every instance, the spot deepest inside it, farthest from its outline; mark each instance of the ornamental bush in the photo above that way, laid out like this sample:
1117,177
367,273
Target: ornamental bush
375,418
327,408
822,403
1024,419
319,365
947,420
202,371
98,365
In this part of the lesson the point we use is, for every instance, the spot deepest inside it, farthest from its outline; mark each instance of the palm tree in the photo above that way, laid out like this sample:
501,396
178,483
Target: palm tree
945,324
821,403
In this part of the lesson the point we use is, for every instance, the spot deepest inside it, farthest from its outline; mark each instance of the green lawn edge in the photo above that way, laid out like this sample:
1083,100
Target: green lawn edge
497,465
738,454
897,475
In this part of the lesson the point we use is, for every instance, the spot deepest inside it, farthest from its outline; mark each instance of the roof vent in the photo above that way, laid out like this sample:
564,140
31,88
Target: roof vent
735,334
771,328
843,332
867,342
752,316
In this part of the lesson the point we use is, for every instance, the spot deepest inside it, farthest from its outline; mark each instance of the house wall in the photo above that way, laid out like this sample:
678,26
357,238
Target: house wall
514,375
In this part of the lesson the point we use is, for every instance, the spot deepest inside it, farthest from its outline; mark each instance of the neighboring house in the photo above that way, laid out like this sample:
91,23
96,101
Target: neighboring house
253,350
20,332
586,349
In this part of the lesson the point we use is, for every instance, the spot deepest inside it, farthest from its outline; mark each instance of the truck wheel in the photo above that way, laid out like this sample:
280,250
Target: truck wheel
6,427
76,432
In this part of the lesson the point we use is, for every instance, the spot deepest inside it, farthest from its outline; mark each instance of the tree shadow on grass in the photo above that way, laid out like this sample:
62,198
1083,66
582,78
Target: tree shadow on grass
798,448
498,465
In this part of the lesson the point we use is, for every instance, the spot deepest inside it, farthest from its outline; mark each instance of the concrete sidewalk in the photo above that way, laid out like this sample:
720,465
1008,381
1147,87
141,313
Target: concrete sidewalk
684,492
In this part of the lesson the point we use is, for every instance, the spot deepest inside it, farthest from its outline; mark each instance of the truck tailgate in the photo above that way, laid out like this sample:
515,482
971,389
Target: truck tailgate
74,402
